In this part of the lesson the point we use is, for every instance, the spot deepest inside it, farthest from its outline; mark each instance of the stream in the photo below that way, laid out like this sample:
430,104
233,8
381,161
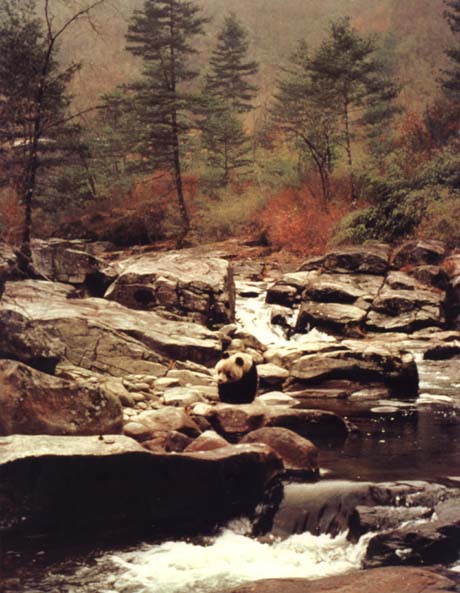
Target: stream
397,440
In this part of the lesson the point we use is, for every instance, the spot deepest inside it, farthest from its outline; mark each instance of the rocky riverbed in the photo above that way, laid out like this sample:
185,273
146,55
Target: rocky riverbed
111,428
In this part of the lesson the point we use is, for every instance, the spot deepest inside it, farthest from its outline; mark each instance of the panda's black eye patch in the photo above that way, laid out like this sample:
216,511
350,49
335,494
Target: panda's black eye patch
225,355
239,361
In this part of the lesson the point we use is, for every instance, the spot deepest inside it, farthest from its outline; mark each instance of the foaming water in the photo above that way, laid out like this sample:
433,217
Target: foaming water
229,560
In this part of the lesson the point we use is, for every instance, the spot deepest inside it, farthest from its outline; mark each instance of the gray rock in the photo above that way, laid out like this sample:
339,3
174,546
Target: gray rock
364,259
271,375
100,335
180,282
169,419
419,252
207,441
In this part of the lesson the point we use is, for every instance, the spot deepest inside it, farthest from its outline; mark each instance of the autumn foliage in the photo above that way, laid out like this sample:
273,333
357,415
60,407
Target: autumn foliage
299,221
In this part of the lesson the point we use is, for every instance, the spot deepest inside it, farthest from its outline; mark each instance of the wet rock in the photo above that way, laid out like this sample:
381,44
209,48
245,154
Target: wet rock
53,486
364,259
418,253
207,441
299,455
379,580
103,336
36,403
179,282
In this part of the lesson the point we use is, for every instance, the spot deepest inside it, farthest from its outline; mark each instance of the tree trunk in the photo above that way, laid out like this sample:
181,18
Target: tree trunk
179,186
346,116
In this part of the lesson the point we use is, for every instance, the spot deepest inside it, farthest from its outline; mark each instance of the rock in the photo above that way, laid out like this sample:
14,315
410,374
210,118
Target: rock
379,580
186,378
137,430
299,455
53,486
287,291
343,288
32,402
185,396
431,275
432,542
271,375
364,259
180,282
407,309
207,441
317,425
177,441
335,317
360,361
168,420
232,421
276,398
417,252
8,264
61,260
101,335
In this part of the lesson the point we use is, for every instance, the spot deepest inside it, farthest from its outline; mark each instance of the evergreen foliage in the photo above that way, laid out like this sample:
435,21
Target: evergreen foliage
347,74
227,80
227,95
161,34
451,81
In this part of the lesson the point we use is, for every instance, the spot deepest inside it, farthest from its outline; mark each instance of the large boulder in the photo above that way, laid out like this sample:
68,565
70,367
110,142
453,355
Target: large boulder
299,455
53,486
98,334
63,260
359,360
180,282
36,403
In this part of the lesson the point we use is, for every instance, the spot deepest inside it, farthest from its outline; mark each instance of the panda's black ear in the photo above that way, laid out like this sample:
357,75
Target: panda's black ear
225,355
239,361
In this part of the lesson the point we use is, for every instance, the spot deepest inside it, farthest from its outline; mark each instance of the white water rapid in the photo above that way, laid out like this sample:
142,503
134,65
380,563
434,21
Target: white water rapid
228,560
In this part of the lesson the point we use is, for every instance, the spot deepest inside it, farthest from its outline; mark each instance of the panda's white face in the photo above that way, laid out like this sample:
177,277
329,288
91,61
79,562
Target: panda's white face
233,368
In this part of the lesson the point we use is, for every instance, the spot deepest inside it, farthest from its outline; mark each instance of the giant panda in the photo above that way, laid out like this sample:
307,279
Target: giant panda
237,378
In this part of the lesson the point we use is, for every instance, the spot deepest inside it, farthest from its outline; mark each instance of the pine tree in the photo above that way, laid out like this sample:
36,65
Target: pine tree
346,72
162,34
451,82
229,70
228,94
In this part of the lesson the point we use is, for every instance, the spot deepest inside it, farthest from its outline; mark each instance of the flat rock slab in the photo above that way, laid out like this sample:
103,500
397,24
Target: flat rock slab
63,260
103,335
91,485
379,580
179,282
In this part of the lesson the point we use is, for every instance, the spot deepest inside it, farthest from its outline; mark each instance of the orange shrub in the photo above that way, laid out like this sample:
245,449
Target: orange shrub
300,222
